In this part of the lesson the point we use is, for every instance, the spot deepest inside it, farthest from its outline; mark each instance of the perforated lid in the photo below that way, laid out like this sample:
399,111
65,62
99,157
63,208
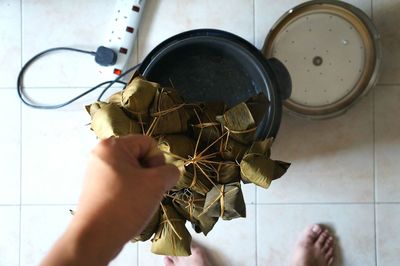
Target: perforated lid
332,52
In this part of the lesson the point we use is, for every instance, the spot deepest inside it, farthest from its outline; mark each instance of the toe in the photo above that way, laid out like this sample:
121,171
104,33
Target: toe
322,238
328,244
312,233
168,261
329,254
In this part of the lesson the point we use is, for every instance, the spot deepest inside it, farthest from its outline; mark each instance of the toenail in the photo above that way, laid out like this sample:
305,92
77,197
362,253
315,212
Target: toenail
316,229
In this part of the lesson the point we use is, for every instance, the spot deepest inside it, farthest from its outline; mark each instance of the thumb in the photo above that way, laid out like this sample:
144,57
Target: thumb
167,174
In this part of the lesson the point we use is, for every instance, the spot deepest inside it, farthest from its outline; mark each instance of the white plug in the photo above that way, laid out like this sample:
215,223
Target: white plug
121,35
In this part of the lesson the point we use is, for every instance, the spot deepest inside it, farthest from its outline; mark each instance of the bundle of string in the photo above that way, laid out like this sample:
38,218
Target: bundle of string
203,161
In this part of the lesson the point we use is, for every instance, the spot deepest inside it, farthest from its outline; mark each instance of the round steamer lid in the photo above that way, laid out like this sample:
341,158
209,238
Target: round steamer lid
332,51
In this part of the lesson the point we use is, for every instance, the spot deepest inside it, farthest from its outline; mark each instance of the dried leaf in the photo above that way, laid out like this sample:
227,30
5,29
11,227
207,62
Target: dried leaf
258,106
260,170
172,238
225,201
176,147
227,172
116,98
240,124
261,147
233,150
190,205
138,96
194,180
109,120
169,114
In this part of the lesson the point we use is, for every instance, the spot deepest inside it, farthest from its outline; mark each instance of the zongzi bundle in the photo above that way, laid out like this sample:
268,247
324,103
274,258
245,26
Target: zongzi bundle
213,156
239,123
258,106
138,96
225,201
227,172
115,98
176,147
257,167
168,112
194,178
172,238
190,205
233,150
261,170
109,119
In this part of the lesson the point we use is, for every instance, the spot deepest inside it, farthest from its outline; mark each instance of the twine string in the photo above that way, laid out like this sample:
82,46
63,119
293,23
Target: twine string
169,221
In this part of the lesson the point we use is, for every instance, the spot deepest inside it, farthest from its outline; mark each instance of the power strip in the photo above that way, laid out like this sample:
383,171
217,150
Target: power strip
122,33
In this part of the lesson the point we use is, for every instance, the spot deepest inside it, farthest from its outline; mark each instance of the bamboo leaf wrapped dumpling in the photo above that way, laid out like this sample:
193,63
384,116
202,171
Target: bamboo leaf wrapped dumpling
239,122
176,147
138,96
172,238
227,172
225,201
257,167
190,205
115,98
109,120
205,125
168,112
194,179
258,105
233,150
261,170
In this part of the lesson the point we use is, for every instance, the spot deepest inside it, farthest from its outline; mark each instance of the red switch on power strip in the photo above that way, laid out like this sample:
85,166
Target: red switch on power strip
130,29
117,71
123,50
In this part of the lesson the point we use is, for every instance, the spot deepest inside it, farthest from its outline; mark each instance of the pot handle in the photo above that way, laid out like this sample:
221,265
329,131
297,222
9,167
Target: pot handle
282,78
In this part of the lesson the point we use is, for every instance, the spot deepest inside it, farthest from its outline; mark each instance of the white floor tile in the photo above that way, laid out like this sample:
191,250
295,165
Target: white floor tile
10,147
332,160
163,19
9,232
78,24
41,226
56,146
249,193
387,143
280,225
267,12
229,243
388,238
10,32
386,19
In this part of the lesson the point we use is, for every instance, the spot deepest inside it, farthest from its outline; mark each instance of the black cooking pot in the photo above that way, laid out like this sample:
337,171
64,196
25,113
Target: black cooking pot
212,65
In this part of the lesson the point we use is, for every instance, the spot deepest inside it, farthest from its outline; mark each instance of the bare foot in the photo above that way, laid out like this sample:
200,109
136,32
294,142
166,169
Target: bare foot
198,258
315,248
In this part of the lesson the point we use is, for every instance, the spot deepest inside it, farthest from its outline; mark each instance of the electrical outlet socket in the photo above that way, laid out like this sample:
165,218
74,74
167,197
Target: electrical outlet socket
121,35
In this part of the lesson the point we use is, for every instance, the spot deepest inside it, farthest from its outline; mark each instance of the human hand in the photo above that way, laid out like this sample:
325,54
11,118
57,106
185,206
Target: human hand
125,182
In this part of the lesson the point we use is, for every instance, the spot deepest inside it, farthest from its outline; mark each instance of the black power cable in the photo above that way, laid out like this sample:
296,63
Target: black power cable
103,56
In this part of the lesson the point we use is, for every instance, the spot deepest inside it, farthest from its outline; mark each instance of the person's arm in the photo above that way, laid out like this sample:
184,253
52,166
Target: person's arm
125,182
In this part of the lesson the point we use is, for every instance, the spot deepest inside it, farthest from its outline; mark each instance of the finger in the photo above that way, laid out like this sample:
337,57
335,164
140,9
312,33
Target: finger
154,161
139,146
168,175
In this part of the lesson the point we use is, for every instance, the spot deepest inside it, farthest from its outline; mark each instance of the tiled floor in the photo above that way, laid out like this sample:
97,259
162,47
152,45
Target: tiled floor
344,172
